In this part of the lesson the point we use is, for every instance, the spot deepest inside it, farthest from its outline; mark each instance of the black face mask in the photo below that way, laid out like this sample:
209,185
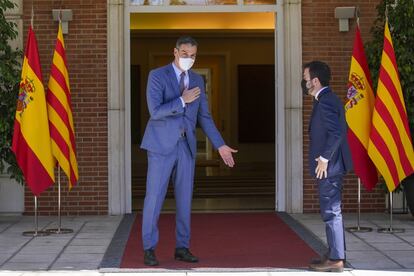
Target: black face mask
305,89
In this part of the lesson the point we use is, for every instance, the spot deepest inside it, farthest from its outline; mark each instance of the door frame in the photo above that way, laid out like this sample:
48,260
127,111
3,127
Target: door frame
288,99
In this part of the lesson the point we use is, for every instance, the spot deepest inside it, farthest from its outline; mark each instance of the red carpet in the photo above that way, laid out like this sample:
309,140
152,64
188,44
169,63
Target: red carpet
234,240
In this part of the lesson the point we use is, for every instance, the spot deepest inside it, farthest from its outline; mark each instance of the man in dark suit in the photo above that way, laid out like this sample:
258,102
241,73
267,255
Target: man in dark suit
329,160
177,102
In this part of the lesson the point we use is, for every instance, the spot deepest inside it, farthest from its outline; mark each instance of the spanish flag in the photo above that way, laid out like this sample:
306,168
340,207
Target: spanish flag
31,138
390,146
358,112
59,108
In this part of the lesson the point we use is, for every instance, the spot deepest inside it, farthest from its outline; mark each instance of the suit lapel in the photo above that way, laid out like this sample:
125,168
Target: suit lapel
173,80
192,80
314,107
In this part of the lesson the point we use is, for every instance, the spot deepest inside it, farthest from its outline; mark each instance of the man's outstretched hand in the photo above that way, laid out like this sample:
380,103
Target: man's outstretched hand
226,155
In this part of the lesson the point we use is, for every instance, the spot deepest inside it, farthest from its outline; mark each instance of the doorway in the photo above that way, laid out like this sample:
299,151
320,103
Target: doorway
239,71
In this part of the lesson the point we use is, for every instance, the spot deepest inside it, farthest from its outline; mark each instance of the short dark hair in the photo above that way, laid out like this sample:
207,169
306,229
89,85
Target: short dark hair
320,70
185,40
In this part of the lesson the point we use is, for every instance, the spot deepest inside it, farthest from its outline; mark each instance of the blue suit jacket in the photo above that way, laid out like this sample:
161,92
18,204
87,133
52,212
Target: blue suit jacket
168,118
327,132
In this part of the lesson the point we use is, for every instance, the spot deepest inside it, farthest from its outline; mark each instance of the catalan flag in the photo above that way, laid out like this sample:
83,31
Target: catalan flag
31,140
358,113
59,108
390,146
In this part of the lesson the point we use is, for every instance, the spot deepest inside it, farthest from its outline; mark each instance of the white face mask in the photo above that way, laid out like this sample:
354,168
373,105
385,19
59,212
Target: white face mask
185,63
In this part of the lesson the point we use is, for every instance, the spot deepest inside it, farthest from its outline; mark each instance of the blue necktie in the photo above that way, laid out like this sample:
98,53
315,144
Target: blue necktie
182,86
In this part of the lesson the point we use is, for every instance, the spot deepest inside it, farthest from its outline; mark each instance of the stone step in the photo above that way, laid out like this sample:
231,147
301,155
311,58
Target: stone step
219,187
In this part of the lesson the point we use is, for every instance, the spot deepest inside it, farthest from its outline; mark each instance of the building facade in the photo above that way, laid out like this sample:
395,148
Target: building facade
100,52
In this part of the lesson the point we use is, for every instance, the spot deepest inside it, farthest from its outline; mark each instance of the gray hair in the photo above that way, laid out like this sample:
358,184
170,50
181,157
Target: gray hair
185,40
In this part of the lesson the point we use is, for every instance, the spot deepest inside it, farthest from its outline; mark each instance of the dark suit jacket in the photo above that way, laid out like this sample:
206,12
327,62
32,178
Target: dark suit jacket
327,133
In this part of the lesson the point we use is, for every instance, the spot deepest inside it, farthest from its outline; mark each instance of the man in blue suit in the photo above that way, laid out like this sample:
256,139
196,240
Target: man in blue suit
329,160
177,102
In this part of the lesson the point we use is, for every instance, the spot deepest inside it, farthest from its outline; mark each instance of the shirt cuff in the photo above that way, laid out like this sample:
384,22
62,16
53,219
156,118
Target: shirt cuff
323,159
182,101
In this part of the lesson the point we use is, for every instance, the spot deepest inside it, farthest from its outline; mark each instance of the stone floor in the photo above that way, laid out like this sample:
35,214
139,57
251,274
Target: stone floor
81,252
372,250
82,249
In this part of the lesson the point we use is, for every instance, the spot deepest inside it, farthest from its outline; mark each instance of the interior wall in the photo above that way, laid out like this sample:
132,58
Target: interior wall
230,49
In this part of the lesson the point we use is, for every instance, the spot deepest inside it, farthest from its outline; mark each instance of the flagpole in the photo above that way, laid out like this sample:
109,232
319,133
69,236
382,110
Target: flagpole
59,230
391,230
357,12
29,180
36,232
69,164
358,228
31,20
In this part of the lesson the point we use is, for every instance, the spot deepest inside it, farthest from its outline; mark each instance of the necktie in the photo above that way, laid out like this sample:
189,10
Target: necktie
182,86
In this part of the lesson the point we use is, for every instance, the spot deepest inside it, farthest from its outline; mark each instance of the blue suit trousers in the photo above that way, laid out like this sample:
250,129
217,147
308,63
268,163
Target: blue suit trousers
330,195
178,165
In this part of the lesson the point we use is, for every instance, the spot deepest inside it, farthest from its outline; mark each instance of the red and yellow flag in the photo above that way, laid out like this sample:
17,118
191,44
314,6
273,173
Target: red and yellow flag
59,108
358,112
390,146
31,139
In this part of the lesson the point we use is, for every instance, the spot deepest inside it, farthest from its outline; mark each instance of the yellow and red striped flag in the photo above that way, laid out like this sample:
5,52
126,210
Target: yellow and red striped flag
358,112
31,139
59,108
390,146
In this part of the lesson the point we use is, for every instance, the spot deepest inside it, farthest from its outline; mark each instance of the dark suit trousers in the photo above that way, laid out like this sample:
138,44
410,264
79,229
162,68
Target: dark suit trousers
330,196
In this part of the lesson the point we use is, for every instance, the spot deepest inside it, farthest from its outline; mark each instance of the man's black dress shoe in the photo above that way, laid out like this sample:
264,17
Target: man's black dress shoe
319,260
328,266
183,254
149,257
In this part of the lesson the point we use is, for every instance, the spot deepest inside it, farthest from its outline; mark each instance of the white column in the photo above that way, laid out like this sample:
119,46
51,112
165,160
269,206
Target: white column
280,127
293,106
119,194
